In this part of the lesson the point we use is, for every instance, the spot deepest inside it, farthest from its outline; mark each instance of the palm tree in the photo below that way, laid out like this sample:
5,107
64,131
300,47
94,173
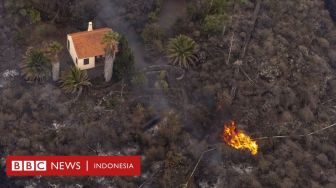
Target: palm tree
110,40
53,50
36,65
75,80
181,51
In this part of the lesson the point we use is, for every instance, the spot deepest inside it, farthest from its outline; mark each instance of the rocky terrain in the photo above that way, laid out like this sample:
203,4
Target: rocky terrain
270,66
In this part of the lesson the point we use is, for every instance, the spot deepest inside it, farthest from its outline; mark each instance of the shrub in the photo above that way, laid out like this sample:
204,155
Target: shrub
124,63
33,15
174,160
222,6
139,79
153,36
161,83
213,24
151,32
170,131
153,16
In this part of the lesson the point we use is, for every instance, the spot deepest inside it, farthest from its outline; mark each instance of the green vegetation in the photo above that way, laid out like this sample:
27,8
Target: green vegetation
124,62
274,77
162,83
214,15
217,16
36,65
32,14
153,37
219,6
213,24
53,49
222,6
181,51
153,16
151,33
111,42
139,80
75,80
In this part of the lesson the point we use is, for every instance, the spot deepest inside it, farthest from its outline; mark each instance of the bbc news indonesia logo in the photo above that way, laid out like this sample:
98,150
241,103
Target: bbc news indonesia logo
73,166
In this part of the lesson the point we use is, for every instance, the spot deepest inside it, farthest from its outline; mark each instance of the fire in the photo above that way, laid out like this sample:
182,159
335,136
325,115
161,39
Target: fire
238,139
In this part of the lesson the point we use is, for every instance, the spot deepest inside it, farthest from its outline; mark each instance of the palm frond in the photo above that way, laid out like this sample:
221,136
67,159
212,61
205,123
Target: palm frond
181,51
75,80
36,65
111,42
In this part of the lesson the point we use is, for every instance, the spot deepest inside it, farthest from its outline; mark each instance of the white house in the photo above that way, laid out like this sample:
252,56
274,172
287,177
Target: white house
85,47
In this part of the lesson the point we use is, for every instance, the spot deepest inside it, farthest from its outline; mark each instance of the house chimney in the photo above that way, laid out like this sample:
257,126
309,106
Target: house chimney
90,28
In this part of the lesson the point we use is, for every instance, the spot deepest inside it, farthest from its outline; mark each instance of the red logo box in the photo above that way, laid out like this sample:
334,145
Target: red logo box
73,166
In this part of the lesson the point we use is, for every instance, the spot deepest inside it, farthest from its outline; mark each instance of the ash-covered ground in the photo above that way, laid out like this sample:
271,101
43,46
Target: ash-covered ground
268,65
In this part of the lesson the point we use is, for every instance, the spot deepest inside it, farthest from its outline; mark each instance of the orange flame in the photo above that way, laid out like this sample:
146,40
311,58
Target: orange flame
238,139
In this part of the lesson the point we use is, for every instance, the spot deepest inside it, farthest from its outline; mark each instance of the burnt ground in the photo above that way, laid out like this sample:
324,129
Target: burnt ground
285,85
9,52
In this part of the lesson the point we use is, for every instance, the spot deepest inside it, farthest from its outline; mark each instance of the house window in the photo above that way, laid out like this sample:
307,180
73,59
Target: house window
68,44
86,61
76,61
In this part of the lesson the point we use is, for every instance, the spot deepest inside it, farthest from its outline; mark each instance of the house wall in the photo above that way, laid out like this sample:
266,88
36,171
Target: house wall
72,50
80,62
88,66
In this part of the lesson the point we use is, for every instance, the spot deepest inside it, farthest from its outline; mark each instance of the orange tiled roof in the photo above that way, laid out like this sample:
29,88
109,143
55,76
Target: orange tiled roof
88,43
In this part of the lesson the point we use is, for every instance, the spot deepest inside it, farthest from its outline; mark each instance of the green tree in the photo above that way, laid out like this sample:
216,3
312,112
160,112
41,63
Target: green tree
181,51
75,80
36,65
124,63
217,15
153,37
53,50
213,23
111,42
